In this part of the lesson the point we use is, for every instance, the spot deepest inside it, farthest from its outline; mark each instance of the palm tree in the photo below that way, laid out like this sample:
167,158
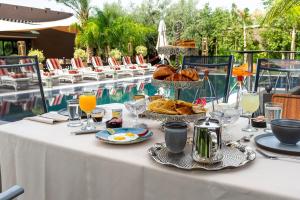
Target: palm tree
82,8
279,7
289,9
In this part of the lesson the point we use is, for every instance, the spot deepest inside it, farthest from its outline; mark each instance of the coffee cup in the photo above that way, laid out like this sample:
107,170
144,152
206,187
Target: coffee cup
175,136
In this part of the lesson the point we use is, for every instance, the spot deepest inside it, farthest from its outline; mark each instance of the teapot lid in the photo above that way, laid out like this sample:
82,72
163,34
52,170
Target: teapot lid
207,123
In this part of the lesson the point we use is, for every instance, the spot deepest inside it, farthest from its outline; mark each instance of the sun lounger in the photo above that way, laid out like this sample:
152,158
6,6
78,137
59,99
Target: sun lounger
45,76
140,61
11,79
121,70
54,66
87,72
98,65
140,70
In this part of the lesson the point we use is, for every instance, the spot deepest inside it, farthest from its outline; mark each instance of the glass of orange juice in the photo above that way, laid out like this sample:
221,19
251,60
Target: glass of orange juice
87,103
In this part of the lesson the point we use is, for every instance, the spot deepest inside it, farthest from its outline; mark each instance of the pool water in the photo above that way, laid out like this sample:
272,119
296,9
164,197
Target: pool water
16,107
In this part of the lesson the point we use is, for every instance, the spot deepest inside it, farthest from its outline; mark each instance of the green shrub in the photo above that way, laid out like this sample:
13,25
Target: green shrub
115,53
80,53
38,53
141,50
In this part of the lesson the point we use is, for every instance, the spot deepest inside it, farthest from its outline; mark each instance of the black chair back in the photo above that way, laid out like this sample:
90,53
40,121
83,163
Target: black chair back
217,65
21,89
279,73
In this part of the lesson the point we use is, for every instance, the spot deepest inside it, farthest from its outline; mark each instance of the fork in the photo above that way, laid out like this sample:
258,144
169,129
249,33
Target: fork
271,157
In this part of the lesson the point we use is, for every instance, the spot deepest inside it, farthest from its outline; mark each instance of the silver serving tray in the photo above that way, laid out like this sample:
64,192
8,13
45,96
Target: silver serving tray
234,156
177,84
166,118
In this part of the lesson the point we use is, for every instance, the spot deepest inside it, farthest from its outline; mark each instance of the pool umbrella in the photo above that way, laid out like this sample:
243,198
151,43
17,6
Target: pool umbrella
162,37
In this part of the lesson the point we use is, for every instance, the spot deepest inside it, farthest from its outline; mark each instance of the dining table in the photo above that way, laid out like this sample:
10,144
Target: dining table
50,163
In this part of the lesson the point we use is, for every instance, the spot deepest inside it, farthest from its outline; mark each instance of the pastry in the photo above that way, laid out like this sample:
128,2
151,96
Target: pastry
155,97
171,107
177,77
198,109
184,110
190,73
162,72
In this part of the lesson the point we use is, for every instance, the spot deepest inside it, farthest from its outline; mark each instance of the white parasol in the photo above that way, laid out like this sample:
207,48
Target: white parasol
162,37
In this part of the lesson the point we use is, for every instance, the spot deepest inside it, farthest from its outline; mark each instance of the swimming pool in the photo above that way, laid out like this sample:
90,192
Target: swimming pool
18,105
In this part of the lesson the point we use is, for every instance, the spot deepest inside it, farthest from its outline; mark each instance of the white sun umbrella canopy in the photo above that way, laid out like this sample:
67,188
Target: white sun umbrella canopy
162,37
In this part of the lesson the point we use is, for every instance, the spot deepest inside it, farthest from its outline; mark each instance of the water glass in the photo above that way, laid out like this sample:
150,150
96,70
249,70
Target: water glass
74,113
272,111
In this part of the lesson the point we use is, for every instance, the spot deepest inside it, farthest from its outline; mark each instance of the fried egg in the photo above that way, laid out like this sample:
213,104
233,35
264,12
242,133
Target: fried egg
123,137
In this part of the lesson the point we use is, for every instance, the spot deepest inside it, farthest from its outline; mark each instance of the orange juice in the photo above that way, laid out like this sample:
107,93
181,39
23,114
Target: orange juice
87,103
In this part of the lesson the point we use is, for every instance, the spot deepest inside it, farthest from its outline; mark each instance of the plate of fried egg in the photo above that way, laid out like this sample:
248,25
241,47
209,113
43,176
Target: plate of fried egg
124,135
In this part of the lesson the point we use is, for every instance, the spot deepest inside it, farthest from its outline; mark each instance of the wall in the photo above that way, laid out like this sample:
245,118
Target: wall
55,43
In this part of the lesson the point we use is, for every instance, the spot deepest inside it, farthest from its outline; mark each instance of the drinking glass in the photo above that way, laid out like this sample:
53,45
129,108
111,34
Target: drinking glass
136,107
250,103
87,103
227,114
74,113
272,111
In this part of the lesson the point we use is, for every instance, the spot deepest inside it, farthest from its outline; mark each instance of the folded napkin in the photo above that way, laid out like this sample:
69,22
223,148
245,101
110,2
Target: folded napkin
49,118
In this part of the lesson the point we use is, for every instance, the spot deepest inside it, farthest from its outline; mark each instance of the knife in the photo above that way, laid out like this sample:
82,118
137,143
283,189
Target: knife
85,132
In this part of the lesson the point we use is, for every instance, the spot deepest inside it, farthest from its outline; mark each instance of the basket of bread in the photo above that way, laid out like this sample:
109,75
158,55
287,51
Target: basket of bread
174,110
167,76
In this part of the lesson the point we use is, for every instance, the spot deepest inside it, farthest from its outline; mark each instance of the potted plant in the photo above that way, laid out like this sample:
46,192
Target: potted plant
80,53
40,56
141,50
115,53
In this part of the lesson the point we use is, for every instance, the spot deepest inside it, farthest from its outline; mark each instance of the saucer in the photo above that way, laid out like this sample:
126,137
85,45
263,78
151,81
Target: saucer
269,142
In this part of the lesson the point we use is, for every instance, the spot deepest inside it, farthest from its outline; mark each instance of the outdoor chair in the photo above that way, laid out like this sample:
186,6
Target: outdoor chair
55,67
31,72
277,73
17,80
137,69
127,62
120,70
98,65
216,71
11,193
22,102
140,61
87,72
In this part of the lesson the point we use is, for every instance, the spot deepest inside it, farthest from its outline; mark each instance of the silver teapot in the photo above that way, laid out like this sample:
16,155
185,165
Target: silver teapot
207,141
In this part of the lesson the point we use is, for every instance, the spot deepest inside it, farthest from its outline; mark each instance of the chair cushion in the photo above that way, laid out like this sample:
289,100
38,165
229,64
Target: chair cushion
73,72
18,75
98,70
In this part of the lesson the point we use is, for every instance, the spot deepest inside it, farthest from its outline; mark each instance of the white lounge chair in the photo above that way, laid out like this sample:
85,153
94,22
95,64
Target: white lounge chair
54,66
87,72
45,76
140,61
121,70
11,79
98,65
139,70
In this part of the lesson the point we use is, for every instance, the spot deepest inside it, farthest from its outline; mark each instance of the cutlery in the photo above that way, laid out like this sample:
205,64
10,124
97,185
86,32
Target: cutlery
271,157
85,132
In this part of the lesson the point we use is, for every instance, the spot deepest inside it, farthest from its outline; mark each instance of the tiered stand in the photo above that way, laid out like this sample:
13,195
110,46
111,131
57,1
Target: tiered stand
177,85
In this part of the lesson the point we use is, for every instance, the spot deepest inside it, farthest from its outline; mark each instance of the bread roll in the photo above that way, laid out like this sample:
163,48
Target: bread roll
177,77
190,73
162,72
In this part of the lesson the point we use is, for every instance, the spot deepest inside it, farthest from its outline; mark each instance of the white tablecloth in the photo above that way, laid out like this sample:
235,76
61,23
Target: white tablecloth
52,164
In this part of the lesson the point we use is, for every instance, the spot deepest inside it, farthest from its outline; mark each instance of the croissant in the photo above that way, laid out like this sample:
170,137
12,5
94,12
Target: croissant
190,73
162,72
177,77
